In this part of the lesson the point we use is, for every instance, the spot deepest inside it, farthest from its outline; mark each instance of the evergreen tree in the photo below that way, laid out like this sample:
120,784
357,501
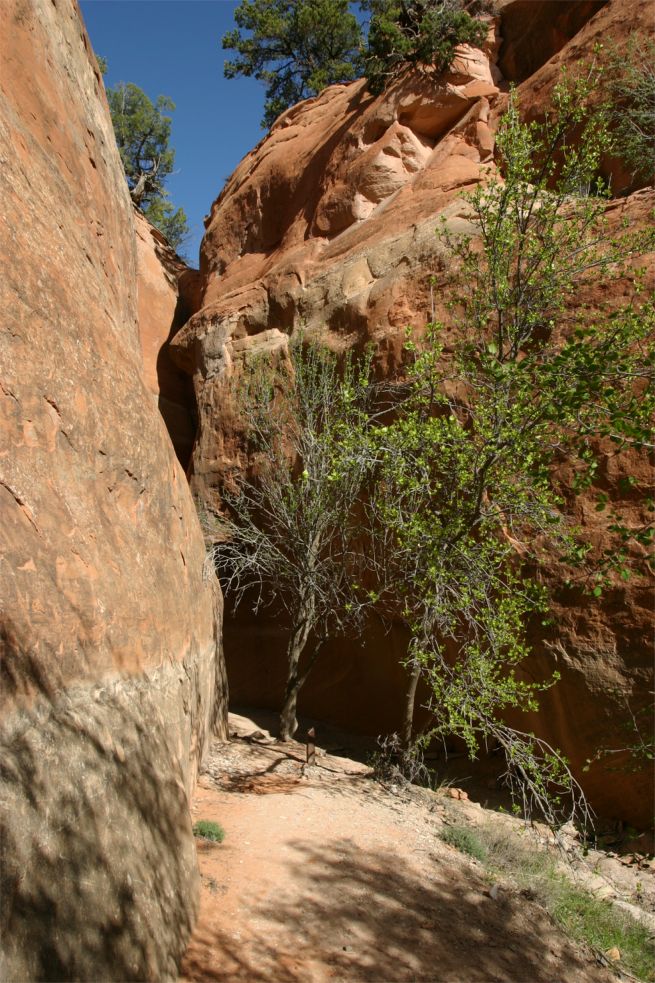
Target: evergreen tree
143,131
415,32
296,47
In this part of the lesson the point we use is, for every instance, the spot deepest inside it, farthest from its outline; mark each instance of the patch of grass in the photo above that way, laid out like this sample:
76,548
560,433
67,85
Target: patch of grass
209,830
465,840
585,918
599,924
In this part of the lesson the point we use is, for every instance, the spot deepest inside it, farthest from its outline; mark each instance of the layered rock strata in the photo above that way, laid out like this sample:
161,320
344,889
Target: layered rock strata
111,670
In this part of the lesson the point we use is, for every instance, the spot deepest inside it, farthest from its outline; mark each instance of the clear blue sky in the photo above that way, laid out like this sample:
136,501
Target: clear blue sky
173,48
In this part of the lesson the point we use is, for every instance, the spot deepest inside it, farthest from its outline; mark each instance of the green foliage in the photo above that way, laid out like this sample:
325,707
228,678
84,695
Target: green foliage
465,840
632,88
415,32
465,501
209,830
143,131
169,220
296,47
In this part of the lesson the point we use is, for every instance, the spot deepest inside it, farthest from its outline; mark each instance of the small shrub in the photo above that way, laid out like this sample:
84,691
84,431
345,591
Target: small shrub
208,830
465,840
395,764
632,88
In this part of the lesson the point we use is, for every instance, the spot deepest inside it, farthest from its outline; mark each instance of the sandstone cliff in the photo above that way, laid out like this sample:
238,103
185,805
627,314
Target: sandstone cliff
168,294
329,225
111,669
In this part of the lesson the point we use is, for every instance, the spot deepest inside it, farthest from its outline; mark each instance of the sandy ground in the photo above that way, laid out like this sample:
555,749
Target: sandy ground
325,875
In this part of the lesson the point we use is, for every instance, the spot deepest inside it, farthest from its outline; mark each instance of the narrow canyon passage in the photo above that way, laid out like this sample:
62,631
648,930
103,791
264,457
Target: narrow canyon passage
325,875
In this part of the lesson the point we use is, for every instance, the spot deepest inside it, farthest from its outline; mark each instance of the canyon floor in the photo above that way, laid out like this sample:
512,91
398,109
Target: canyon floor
325,874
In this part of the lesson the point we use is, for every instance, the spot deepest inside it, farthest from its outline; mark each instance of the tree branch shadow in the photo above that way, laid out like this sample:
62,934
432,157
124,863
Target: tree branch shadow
365,914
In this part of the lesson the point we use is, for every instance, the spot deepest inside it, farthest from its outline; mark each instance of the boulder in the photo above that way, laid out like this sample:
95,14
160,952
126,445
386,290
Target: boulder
111,667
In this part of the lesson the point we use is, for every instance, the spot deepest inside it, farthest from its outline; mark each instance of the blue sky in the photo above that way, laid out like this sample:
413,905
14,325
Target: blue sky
173,48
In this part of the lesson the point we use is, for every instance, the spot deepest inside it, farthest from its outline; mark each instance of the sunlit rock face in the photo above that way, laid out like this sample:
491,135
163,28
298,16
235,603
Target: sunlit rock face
111,669
167,293
328,226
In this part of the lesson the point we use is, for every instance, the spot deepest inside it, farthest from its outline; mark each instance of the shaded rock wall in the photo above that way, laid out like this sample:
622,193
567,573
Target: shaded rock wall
534,31
604,30
328,226
111,665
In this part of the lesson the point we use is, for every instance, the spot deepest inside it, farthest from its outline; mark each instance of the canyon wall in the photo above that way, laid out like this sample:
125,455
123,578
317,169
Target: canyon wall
168,293
328,226
111,665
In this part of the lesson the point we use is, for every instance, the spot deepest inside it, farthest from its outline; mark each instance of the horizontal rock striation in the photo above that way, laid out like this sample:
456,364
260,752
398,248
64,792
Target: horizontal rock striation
111,667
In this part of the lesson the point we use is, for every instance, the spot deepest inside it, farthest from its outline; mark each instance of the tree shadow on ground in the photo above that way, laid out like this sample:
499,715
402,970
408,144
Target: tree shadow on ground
365,914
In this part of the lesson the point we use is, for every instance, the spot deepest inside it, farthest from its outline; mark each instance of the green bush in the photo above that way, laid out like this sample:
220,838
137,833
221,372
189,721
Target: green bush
465,840
208,830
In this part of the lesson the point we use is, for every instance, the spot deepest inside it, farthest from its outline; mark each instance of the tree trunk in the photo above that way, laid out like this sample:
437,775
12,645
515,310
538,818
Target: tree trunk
408,722
138,191
299,635
288,722
295,682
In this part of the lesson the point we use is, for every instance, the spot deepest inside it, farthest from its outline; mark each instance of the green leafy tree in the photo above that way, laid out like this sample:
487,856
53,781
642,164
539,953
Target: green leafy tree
464,500
296,47
143,131
415,32
290,541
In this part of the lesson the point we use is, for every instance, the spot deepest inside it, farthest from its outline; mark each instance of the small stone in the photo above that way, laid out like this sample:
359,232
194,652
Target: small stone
613,954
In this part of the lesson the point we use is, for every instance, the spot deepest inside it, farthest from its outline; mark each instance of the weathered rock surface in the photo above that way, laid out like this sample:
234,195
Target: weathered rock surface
111,670
329,226
168,294
603,32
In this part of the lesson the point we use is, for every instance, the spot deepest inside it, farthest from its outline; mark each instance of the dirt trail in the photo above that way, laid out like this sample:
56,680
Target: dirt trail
324,875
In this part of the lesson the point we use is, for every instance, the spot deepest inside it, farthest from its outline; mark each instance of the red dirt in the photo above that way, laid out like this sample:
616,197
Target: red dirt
325,875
